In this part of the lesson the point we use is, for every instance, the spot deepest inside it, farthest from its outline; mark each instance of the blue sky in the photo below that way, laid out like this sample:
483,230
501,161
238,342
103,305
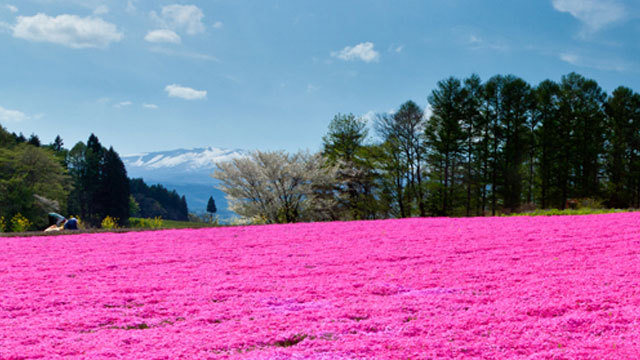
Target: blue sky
159,75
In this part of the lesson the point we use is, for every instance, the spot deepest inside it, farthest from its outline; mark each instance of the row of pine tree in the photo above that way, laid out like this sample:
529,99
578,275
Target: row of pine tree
492,147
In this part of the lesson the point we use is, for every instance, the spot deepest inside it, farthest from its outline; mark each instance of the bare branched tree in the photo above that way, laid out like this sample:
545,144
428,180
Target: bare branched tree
278,187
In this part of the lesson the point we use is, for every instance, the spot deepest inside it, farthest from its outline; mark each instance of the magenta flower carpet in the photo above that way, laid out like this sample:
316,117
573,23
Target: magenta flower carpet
480,288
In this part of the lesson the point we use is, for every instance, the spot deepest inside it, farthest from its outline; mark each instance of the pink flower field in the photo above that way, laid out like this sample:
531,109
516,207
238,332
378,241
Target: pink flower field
477,288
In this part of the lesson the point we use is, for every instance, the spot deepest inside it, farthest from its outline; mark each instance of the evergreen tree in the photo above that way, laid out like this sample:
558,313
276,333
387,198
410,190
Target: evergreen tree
623,121
184,209
20,138
101,186
91,180
211,205
34,140
156,200
546,111
345,137
516,105
473,126
343,146
57,144
493,114
446,139
113,193
582,115
6,139
77,166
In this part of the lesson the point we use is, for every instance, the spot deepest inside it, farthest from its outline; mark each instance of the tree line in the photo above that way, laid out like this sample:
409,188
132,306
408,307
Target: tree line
479,148
157,201
88,181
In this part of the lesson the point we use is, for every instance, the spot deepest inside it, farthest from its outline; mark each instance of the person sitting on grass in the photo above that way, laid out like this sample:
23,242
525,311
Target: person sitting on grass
58,222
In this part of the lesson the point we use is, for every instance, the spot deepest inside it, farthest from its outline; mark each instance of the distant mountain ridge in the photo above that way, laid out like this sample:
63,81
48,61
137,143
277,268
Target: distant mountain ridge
188,171
177,163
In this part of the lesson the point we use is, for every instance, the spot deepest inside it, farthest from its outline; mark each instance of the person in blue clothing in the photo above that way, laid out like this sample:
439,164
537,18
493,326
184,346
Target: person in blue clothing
58,222
71,224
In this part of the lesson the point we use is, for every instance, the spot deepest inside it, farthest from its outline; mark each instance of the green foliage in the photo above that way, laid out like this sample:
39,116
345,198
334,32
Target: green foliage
34,140
343,146
113,194
20,223
345,136
583,129
445,138
144,223
623,134
6,139
3,224
101,186
590,203
550,142
489,148
156,200
57,144
134,207
32,181
402,155
582,211
109,223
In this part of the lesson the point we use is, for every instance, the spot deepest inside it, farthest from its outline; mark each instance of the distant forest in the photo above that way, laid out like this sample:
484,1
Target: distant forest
156,200
87,181
492,147
479,148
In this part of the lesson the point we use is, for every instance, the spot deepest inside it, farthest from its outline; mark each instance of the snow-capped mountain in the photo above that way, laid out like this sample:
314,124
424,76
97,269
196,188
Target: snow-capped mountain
188,171
183,164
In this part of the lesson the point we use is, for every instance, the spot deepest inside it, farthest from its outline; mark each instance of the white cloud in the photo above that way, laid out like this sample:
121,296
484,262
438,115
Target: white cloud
123,104
184,92
595,62
218,25
7,115
181,17
149,106
363,51
67,30
163,35
399,49
595,14
570,58
11,8
101,10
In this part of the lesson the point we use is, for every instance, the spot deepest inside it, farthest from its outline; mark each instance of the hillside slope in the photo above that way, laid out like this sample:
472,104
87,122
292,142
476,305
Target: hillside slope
188,171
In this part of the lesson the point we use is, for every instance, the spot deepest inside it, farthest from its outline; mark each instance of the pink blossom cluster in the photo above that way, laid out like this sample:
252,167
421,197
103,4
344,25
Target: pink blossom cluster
476,288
